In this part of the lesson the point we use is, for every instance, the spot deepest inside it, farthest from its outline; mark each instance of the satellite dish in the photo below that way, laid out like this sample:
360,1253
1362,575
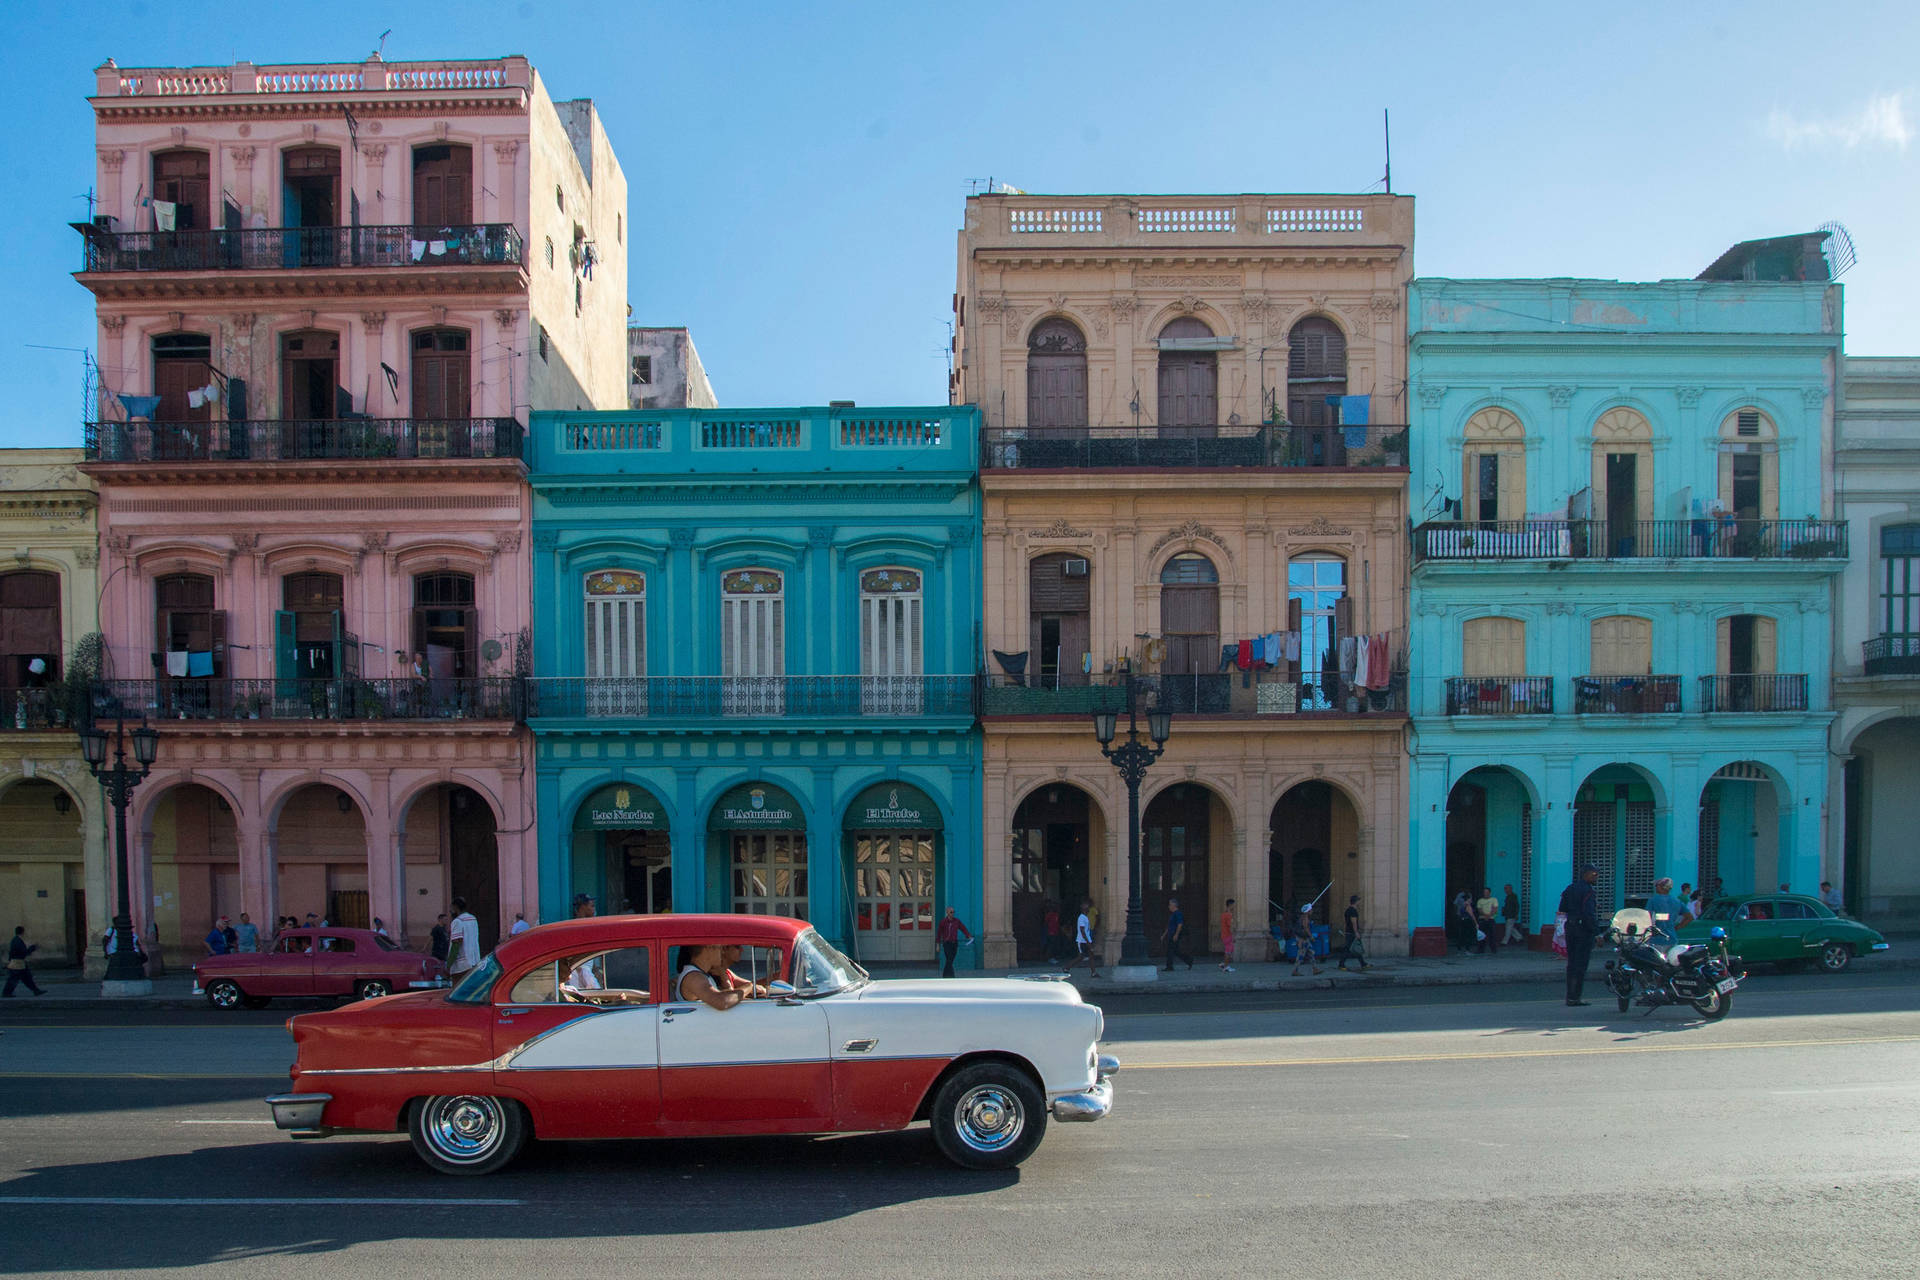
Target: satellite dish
490,650
1838,248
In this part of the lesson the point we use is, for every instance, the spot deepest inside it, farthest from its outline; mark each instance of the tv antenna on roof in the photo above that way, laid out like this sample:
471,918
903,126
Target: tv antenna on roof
381,52
1838,248
1386,133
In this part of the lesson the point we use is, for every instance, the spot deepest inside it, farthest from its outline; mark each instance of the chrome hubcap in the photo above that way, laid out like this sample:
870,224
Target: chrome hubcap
226,995
464,1129
988,1118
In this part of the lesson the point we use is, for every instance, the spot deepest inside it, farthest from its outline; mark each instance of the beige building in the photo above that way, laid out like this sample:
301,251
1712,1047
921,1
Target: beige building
1194,467
53,876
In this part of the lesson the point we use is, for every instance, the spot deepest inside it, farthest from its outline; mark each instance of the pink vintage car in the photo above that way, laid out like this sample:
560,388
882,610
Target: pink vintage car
316,962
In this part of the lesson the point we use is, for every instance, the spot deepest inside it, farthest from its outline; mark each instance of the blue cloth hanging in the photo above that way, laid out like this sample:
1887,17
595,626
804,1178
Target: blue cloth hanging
199,663
1355,411
138,406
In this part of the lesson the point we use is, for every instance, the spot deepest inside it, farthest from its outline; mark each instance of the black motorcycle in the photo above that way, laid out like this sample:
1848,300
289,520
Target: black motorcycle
1650,973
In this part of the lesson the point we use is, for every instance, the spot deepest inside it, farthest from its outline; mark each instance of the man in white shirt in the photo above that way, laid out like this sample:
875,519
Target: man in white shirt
520,924
1831,895
1083,940
466,939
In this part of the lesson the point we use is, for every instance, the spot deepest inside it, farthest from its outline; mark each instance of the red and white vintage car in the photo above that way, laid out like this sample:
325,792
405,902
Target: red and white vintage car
315,962
623,1027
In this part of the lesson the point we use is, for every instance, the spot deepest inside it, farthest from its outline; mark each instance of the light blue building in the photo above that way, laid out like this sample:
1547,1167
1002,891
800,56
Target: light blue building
1622,559
754,646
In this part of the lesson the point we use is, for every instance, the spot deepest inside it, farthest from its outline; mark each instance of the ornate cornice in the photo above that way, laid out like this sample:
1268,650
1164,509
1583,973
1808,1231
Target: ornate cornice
1319,527
1190,532
1060,529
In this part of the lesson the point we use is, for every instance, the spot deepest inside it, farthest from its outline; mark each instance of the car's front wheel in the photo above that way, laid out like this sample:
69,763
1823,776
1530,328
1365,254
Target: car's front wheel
989,1116
467,1133
223,993
1835,956
373,989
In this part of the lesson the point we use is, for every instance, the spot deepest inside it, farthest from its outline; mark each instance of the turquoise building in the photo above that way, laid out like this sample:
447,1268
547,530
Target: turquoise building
1623,554
753,666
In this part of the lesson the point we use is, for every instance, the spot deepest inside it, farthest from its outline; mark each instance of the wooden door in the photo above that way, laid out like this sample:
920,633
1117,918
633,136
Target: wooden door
1188,382
1316,369
753,643
1056,376
442,187
180,177
1059,619
309,368
1174,856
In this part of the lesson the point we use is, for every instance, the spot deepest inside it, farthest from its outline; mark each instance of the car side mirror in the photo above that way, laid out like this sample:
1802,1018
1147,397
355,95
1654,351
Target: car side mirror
783,992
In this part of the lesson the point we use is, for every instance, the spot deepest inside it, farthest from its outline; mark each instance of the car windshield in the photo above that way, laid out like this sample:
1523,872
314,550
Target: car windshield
1721,910
819,969
474,988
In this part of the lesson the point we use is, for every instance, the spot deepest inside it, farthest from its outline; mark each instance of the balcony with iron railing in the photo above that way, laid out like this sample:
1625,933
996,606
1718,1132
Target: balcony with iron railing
1721,694
1500,695
679,700
1233,695
1595,695
492,244
1894,654
309,701
841,439
1082,448
1805,540
304,440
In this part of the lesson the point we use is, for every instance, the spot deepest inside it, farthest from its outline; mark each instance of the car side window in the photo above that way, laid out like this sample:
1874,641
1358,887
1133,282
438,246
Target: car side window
618,975
294,946
337,946
1794,911
753,964
536,986
1759,911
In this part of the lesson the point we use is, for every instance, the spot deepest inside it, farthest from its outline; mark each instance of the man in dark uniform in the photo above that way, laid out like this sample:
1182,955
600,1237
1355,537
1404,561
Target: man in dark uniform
1583,923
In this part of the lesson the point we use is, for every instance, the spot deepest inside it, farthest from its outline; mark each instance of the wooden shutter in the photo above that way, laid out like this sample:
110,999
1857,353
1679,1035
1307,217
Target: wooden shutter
173,378
180,177
1513,484
1294,617
1622,646
442,186
1493,647
1723,646
219,637
1051,591
1342,619
1764,631
286,655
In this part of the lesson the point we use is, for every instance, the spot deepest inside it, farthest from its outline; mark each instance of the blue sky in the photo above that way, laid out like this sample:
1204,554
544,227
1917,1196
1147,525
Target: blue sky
798,171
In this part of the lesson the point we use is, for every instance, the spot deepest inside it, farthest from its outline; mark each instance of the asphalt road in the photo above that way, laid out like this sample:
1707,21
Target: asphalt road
1451,1132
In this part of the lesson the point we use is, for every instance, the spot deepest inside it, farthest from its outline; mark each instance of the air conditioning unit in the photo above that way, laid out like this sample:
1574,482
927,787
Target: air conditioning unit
1073,568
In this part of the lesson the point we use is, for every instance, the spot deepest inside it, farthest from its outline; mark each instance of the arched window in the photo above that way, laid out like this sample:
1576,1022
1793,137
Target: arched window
1320,610
1189,379
614,658
1622,478
442,186
891,661
753,642
29,630
1749,468
1316,369
180,179
1056,375
1495,458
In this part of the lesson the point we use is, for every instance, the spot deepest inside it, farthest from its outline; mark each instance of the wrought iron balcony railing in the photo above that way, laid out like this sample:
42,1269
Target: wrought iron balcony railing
1895,654
766,697
1074,448
1753,693
1500,696
304,440
1630,540
1202,693
36,710
301,248
347,698
1626,695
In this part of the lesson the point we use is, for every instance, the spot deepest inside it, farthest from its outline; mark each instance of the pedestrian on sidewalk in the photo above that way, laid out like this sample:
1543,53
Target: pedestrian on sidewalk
231,934
216,939
466,939
1176,934
1056,948
1577,900
1303,941
440,940
947,934
1486,922
248,936
1510,909
1831,896
1352,948
1462,927
520,924
1083,941
18,970
1226,937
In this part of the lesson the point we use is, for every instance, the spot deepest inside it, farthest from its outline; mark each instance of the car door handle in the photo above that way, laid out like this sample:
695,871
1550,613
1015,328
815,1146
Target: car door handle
667,1016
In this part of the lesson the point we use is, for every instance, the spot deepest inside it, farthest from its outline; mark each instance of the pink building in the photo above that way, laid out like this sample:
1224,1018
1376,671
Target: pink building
327,296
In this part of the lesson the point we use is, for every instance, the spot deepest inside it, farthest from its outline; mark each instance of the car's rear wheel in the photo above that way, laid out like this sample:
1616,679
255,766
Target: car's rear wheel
223,993
989,1116
373,989
467,1133
1835,956
256,1002
1714,1005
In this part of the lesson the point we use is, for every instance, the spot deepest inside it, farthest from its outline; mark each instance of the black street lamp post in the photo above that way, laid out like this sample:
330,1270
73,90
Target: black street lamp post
1132,758
126,964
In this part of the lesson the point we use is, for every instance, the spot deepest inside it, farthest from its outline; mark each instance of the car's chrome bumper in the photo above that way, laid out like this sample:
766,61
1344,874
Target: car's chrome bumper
1880,946
1091,1104
298,1110
196,988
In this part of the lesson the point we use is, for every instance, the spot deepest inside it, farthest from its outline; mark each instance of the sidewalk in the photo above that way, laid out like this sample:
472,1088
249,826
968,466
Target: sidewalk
65,989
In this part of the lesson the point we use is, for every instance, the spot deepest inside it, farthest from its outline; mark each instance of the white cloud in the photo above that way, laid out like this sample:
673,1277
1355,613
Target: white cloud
1882,122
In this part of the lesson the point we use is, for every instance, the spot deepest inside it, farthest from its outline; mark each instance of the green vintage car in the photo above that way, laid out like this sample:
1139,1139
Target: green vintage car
1786,929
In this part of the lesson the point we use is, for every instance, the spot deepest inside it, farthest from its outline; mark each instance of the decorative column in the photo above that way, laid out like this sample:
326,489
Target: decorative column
1681,854
1553,856
386,876
997,948
258,891
1427,873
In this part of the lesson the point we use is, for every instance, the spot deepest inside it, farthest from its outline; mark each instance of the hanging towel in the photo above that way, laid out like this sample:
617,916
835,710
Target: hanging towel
196,398
200,663
437,247
177,662
1293,646
1346,658
1355,411
1379,661
138,406
1354,437
1360,669
164,214
417,248
1244,658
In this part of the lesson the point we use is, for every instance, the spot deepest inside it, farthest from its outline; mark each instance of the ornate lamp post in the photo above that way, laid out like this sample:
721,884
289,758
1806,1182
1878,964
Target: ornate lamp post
1132,758
126,967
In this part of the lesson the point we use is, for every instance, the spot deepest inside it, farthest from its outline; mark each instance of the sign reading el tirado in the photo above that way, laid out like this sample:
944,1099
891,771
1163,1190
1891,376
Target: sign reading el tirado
620,806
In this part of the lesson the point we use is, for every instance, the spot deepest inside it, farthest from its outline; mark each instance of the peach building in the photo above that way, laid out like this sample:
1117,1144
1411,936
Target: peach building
1193,468
327,297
